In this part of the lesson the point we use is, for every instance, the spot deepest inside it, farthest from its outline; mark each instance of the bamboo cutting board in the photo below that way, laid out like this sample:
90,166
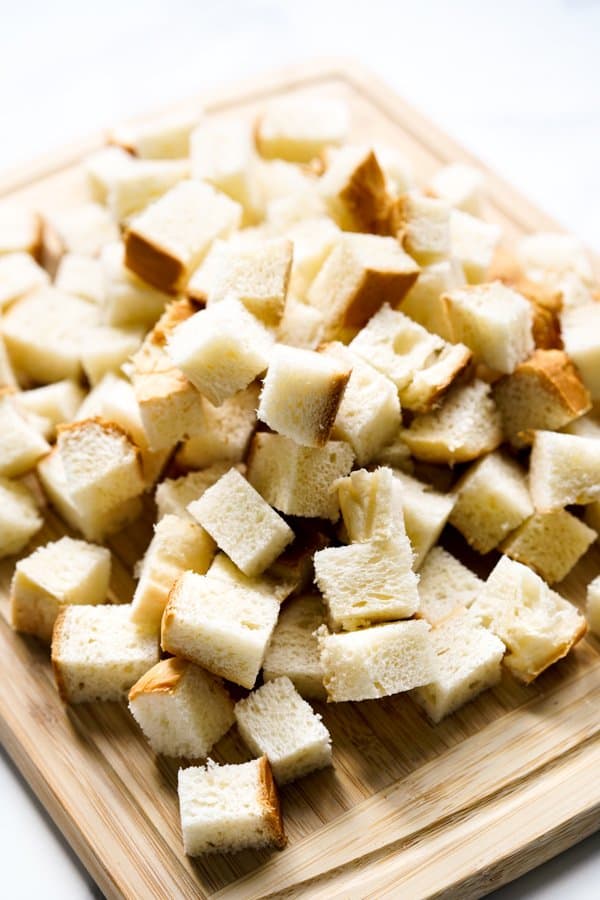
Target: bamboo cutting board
409,809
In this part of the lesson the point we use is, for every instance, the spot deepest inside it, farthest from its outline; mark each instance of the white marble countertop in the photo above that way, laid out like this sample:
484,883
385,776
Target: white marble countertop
517,83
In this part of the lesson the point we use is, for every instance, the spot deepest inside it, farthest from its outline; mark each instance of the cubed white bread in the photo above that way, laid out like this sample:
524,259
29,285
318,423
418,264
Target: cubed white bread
173,495
468,661
168,240
178,545
545,392
63,572
298,129
132,188
564,469
98,653
492,500
258,275
423,225
550,543
274,721
301,394
43,333
226,432
355,191
219,626
303,205
536,624
182,710
426,512
424,302
494,321
128,301
20,230
101,464
446,586
222,152
19,274
162,137
301,325
105,348
268,584
229,808
371,507
473,243
242,523
20,518
421,365
102,167
461,185
581,337
83,229
278,179
82,276
313,240
592,606
294,650
298,481
56,402
395,454
369,415
362,272
547,252
376,662
21,444
397,168
7,376
221,349
465,426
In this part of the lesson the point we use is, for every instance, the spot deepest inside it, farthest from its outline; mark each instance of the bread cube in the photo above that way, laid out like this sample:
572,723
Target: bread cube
20,230
298,481
376,662
361,273
21,445
423,225
226,434
7,376
313,238
19,274
397,168
492,500
98,653
473,244
371,507
564,469
293,651
543,393
268,584
298,129
162,137
43,334
132,188
129,302
242,524
426,512
301,325
19,517
63,572
182,710
105,349
82,276
581,336
461,186
465,426
229,808
592,607
173,495
102,167
545,252
424,301
295,565
274,721
550,543
219,626
355,191
83,229
537,625
445,586
584,426
56,402
468,661
221,349
166,241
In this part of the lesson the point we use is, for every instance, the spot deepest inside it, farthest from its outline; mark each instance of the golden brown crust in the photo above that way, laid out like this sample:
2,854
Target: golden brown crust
463,362
546,328
365,199
336,392
269,800
167,618
559,653
163,678
558,376
375,289
155,264
54,655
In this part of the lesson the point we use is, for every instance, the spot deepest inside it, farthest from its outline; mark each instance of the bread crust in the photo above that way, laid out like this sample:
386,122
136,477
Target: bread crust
561,651
269,800
55,654
153,263
163,678
324,427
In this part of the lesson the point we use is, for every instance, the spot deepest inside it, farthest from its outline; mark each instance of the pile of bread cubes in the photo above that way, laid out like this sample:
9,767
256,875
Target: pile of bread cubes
314,364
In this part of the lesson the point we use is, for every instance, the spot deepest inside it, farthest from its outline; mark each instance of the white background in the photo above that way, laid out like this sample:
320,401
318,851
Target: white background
518,83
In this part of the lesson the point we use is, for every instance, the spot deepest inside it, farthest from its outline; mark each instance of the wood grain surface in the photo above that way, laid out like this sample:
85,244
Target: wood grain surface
408,809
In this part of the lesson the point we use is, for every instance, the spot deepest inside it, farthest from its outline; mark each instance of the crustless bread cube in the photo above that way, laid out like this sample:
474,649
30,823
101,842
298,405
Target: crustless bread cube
301,325
21,445
461,186
313,240
424,302
105,349
20,230
56,402
7,376
294,650
298,129
226,434
102,167
445,586
473,244
162,137
564,469
132,188
82,276
83,229
550,543
19,517
19,274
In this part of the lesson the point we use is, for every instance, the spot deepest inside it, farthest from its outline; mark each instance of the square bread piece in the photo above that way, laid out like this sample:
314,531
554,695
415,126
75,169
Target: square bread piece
177,545
376,662
173,495
313,240
355,191
294,650
20,518
473,243
62,572
550,543
219,626
221,349
445,586
229,808
370,505
536,624
82,229
182,710
494,321
20,230
269,584
298,481
492,500
298,130
423,225
82,276
301,325
301,394
581,336
242,524
543,393
424,304
462,186
274,721
21,445
56,402
162,137
426,512
98,653
592,606
133,187
362,272
226,433
19,274
468,659
128,301
106,348
564,469
166,241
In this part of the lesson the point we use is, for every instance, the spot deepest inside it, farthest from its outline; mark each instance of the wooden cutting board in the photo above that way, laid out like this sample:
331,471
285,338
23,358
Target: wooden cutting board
409,809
